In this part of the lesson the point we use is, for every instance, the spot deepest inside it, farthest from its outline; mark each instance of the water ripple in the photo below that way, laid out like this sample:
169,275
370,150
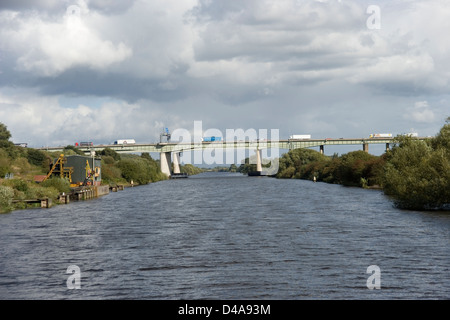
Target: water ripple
225,236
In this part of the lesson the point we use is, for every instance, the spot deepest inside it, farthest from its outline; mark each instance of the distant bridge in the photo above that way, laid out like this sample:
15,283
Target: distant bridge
166,149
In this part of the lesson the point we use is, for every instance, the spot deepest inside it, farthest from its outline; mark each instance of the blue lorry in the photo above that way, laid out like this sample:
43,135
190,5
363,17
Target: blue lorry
211,139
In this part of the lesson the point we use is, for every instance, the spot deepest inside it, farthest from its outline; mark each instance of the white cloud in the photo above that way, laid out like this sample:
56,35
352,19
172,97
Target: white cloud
421,112
48,48
297,65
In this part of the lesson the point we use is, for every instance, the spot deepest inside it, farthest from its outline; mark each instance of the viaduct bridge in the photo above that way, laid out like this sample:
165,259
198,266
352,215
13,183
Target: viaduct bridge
170,151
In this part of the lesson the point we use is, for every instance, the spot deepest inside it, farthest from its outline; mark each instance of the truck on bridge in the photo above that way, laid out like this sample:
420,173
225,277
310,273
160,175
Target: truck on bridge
84,144
125,141
300,136
211,139
381,135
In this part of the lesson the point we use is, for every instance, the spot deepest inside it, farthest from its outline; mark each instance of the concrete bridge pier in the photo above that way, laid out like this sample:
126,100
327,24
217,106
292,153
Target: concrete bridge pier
366,147
165,163
176,162
258,161
387,147
321,149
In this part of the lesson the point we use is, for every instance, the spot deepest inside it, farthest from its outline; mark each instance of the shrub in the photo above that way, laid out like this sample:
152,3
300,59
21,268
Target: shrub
110,153
6,197
108,160
17,184
62,185
140,169
417,174
35,157
38,191
23,166
111,174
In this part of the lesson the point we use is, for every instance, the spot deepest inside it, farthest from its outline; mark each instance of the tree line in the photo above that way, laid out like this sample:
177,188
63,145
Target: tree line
415,174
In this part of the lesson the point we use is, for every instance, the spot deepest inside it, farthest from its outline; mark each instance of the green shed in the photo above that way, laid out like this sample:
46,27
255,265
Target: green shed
82,167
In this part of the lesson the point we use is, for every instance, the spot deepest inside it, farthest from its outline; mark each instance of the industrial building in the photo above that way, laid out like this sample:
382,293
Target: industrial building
79,170
85,169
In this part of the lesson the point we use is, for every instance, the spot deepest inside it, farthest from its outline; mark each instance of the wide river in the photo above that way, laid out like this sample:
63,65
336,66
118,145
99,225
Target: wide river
227,236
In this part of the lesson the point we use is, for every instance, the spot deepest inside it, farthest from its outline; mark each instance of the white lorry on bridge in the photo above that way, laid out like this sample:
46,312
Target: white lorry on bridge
300,136
381,135
125,141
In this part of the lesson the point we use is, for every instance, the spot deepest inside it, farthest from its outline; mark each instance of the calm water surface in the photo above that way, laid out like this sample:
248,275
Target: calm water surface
226,236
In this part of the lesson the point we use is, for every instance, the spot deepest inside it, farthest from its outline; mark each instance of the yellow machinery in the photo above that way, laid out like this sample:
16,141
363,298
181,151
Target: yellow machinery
89,175
58,168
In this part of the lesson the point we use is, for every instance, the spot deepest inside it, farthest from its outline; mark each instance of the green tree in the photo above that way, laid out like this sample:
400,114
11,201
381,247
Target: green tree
5,163
141,170
297,163
7,145
354,168
108,152
417,174
69,150
36,157
6,197
190,169
5,135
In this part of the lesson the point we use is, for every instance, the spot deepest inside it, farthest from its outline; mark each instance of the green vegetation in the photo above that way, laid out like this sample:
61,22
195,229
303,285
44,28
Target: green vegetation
21,165
356,168
190,169
415,173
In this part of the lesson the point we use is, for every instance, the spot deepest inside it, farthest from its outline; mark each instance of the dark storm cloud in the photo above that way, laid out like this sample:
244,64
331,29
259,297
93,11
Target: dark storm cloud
305,66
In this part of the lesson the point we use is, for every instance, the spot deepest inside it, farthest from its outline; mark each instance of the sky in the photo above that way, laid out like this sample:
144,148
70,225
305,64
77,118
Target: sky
102,70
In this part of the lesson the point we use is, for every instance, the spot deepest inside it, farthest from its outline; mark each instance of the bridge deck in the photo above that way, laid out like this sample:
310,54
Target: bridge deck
266,144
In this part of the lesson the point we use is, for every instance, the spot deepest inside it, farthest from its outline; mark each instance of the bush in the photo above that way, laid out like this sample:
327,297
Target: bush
190,169
35,157
417,174
301,164
6,197
353,167
23,166
17,184
38,192
5,163
141,170
111,174
72,150
62,185
108,152
108,160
